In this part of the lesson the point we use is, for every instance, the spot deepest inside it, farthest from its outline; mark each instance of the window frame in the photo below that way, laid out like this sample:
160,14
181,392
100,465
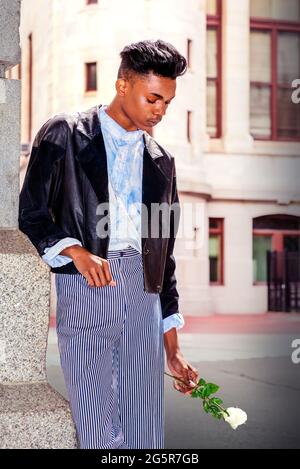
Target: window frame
274,27
277,240
214,22
90,90
218,231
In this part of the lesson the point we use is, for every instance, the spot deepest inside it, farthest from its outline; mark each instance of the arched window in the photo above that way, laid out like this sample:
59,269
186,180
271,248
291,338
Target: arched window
274,233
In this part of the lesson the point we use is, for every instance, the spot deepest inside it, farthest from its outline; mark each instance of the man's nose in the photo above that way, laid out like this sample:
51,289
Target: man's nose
160,110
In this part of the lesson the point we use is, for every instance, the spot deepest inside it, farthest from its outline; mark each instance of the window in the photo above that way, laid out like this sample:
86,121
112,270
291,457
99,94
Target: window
91,76
273,233
275,63
261,245
216,256
214,64
286,10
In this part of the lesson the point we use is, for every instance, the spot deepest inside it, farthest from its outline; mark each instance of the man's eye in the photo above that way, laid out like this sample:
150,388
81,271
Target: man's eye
150,102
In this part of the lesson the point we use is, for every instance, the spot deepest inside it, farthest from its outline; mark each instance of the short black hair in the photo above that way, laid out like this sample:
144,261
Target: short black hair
158,57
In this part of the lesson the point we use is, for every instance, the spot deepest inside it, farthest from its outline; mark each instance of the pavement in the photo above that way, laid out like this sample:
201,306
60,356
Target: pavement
250,358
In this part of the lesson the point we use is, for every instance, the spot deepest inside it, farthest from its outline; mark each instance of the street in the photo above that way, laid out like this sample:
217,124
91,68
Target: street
254,370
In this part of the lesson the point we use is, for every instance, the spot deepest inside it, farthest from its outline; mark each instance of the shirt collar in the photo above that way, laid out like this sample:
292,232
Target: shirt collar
121,135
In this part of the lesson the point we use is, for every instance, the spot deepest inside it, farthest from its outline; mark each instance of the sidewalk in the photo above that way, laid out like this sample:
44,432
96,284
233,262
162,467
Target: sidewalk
250,358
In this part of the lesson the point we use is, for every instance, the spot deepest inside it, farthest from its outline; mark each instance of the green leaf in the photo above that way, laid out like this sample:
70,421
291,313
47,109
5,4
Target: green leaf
194,393
205,392
216,400
197,392
201,382
213,388
206,406
214,408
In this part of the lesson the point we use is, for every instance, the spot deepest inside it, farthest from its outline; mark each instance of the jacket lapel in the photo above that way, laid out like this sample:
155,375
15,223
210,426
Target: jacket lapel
91,154
155,180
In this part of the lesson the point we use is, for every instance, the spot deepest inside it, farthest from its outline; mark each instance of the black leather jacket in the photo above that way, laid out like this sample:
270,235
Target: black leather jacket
67,179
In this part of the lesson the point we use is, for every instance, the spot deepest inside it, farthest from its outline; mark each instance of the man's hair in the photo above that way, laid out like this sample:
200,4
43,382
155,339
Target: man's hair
158,57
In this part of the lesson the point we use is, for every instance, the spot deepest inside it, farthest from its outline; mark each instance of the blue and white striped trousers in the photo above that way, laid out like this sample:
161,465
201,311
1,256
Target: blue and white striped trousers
110,341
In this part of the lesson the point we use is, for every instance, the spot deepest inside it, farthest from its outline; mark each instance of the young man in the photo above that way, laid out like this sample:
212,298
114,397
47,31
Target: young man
87,204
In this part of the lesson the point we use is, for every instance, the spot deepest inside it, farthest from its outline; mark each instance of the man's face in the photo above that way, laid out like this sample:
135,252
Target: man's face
145,99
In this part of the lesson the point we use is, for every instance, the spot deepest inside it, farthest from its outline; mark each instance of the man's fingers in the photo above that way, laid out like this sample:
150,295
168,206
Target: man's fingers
181,387
189,379
95,269
89,279
96,277
177,386
192,375
107,272
99,277
102,277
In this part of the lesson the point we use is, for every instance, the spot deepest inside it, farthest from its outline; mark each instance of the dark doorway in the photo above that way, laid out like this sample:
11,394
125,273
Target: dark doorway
283,273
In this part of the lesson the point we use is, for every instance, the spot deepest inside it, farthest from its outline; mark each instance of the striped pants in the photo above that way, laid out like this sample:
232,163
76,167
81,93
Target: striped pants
110,341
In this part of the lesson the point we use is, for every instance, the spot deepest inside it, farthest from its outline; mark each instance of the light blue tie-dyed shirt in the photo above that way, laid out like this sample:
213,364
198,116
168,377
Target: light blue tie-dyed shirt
124,151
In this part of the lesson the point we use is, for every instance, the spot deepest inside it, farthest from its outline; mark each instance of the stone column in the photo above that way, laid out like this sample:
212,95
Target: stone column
32,414
236,76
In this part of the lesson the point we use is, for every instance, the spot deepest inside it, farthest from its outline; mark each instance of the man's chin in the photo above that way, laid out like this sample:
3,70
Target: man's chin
147,126
151,124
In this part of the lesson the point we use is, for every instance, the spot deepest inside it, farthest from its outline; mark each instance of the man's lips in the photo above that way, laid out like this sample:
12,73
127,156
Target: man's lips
154,122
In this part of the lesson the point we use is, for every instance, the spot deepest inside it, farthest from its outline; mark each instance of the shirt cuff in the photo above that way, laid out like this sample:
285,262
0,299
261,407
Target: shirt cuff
51,256
174,320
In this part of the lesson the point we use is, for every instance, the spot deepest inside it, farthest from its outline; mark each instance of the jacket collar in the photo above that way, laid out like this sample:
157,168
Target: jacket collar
119,135
88,124
91,155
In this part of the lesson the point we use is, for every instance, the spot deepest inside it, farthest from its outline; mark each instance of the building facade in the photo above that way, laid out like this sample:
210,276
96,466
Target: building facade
234,127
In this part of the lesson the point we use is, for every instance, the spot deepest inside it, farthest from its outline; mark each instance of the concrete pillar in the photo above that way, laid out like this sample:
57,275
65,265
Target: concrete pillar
32,414
236,76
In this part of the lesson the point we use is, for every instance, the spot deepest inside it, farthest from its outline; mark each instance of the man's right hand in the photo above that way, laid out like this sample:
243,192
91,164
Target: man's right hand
95,269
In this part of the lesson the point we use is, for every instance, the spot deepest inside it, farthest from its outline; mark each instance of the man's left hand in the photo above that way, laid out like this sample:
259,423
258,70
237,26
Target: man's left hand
180,368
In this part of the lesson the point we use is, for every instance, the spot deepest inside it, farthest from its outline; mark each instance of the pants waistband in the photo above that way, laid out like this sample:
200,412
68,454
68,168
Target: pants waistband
127,252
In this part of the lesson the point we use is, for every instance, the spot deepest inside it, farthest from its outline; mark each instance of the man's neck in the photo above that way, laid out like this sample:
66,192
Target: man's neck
115,111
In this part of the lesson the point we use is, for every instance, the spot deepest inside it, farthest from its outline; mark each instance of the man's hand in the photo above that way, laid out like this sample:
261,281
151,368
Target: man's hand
95,269
180,368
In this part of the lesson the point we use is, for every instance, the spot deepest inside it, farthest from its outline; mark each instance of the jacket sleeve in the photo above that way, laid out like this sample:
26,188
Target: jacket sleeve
169,295
41,185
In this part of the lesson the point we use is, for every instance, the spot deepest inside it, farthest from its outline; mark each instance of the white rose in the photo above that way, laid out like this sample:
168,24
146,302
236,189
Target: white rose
236,417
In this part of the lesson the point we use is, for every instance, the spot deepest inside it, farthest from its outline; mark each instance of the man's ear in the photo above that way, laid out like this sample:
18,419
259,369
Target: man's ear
121,86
